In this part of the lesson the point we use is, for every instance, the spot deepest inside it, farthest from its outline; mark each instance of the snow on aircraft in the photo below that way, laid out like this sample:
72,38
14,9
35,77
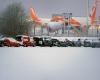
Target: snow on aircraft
57,22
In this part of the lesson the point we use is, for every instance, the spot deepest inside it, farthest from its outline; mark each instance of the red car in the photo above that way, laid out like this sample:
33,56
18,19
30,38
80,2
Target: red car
25,40
8,41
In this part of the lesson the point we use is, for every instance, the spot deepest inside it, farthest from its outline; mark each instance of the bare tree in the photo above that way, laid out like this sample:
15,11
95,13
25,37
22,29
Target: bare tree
13,20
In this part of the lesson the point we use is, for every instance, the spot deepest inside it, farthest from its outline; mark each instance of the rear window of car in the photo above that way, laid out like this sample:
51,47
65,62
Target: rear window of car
26,39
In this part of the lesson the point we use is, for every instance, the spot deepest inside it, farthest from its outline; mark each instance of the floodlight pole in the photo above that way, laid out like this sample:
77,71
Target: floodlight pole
34,28
63,28
69,17
42,30
87,17
47,28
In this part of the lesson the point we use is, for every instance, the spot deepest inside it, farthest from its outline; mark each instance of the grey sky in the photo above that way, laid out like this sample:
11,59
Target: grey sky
49,64
45,8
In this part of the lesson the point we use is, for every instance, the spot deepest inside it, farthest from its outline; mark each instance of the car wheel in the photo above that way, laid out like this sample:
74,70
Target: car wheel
25,45
50,45
9,45
18,45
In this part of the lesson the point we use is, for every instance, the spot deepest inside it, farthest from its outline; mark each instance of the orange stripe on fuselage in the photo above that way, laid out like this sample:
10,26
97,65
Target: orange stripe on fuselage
57,18
73,22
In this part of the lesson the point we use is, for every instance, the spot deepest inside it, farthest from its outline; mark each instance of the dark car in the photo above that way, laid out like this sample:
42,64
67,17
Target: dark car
70,43
1,40
62,44
78,43
45,41
1,43
95,43
36,40
55,42
87,43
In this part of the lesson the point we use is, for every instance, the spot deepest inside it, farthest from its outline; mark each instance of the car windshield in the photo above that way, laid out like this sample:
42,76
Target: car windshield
18,38
11,39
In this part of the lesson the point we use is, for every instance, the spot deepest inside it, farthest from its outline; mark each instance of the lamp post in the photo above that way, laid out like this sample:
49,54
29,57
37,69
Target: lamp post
34,28
65,15
69,17
87,17
47,27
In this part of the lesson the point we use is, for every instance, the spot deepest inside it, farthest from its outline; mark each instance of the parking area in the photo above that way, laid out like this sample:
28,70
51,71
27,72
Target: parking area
47,41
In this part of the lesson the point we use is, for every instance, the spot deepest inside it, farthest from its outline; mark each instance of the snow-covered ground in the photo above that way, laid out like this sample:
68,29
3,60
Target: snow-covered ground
49,63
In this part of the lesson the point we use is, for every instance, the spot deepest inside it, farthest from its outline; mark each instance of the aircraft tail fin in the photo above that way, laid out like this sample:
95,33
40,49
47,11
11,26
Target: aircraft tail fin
33,14
93,12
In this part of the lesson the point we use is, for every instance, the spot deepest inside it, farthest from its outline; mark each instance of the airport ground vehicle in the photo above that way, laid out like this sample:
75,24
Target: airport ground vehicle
24,40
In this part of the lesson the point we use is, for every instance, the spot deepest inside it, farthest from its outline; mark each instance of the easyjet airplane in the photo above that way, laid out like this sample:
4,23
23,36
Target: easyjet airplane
45,22
57,22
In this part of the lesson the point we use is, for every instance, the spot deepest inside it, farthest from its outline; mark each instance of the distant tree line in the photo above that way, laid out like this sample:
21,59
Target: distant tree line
13,20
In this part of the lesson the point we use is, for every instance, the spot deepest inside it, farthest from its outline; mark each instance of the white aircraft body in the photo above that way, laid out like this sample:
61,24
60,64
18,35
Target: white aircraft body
57,22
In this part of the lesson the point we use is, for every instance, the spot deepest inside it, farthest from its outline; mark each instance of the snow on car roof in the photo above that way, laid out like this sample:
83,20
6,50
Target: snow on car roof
22,35
10,38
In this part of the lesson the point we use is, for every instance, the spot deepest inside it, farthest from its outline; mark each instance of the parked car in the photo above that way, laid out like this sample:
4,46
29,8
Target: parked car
25,40
95,43
1,40
78,43
55,42
45,41
70,43
36,41
87,43
9,41
62,44
1,43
